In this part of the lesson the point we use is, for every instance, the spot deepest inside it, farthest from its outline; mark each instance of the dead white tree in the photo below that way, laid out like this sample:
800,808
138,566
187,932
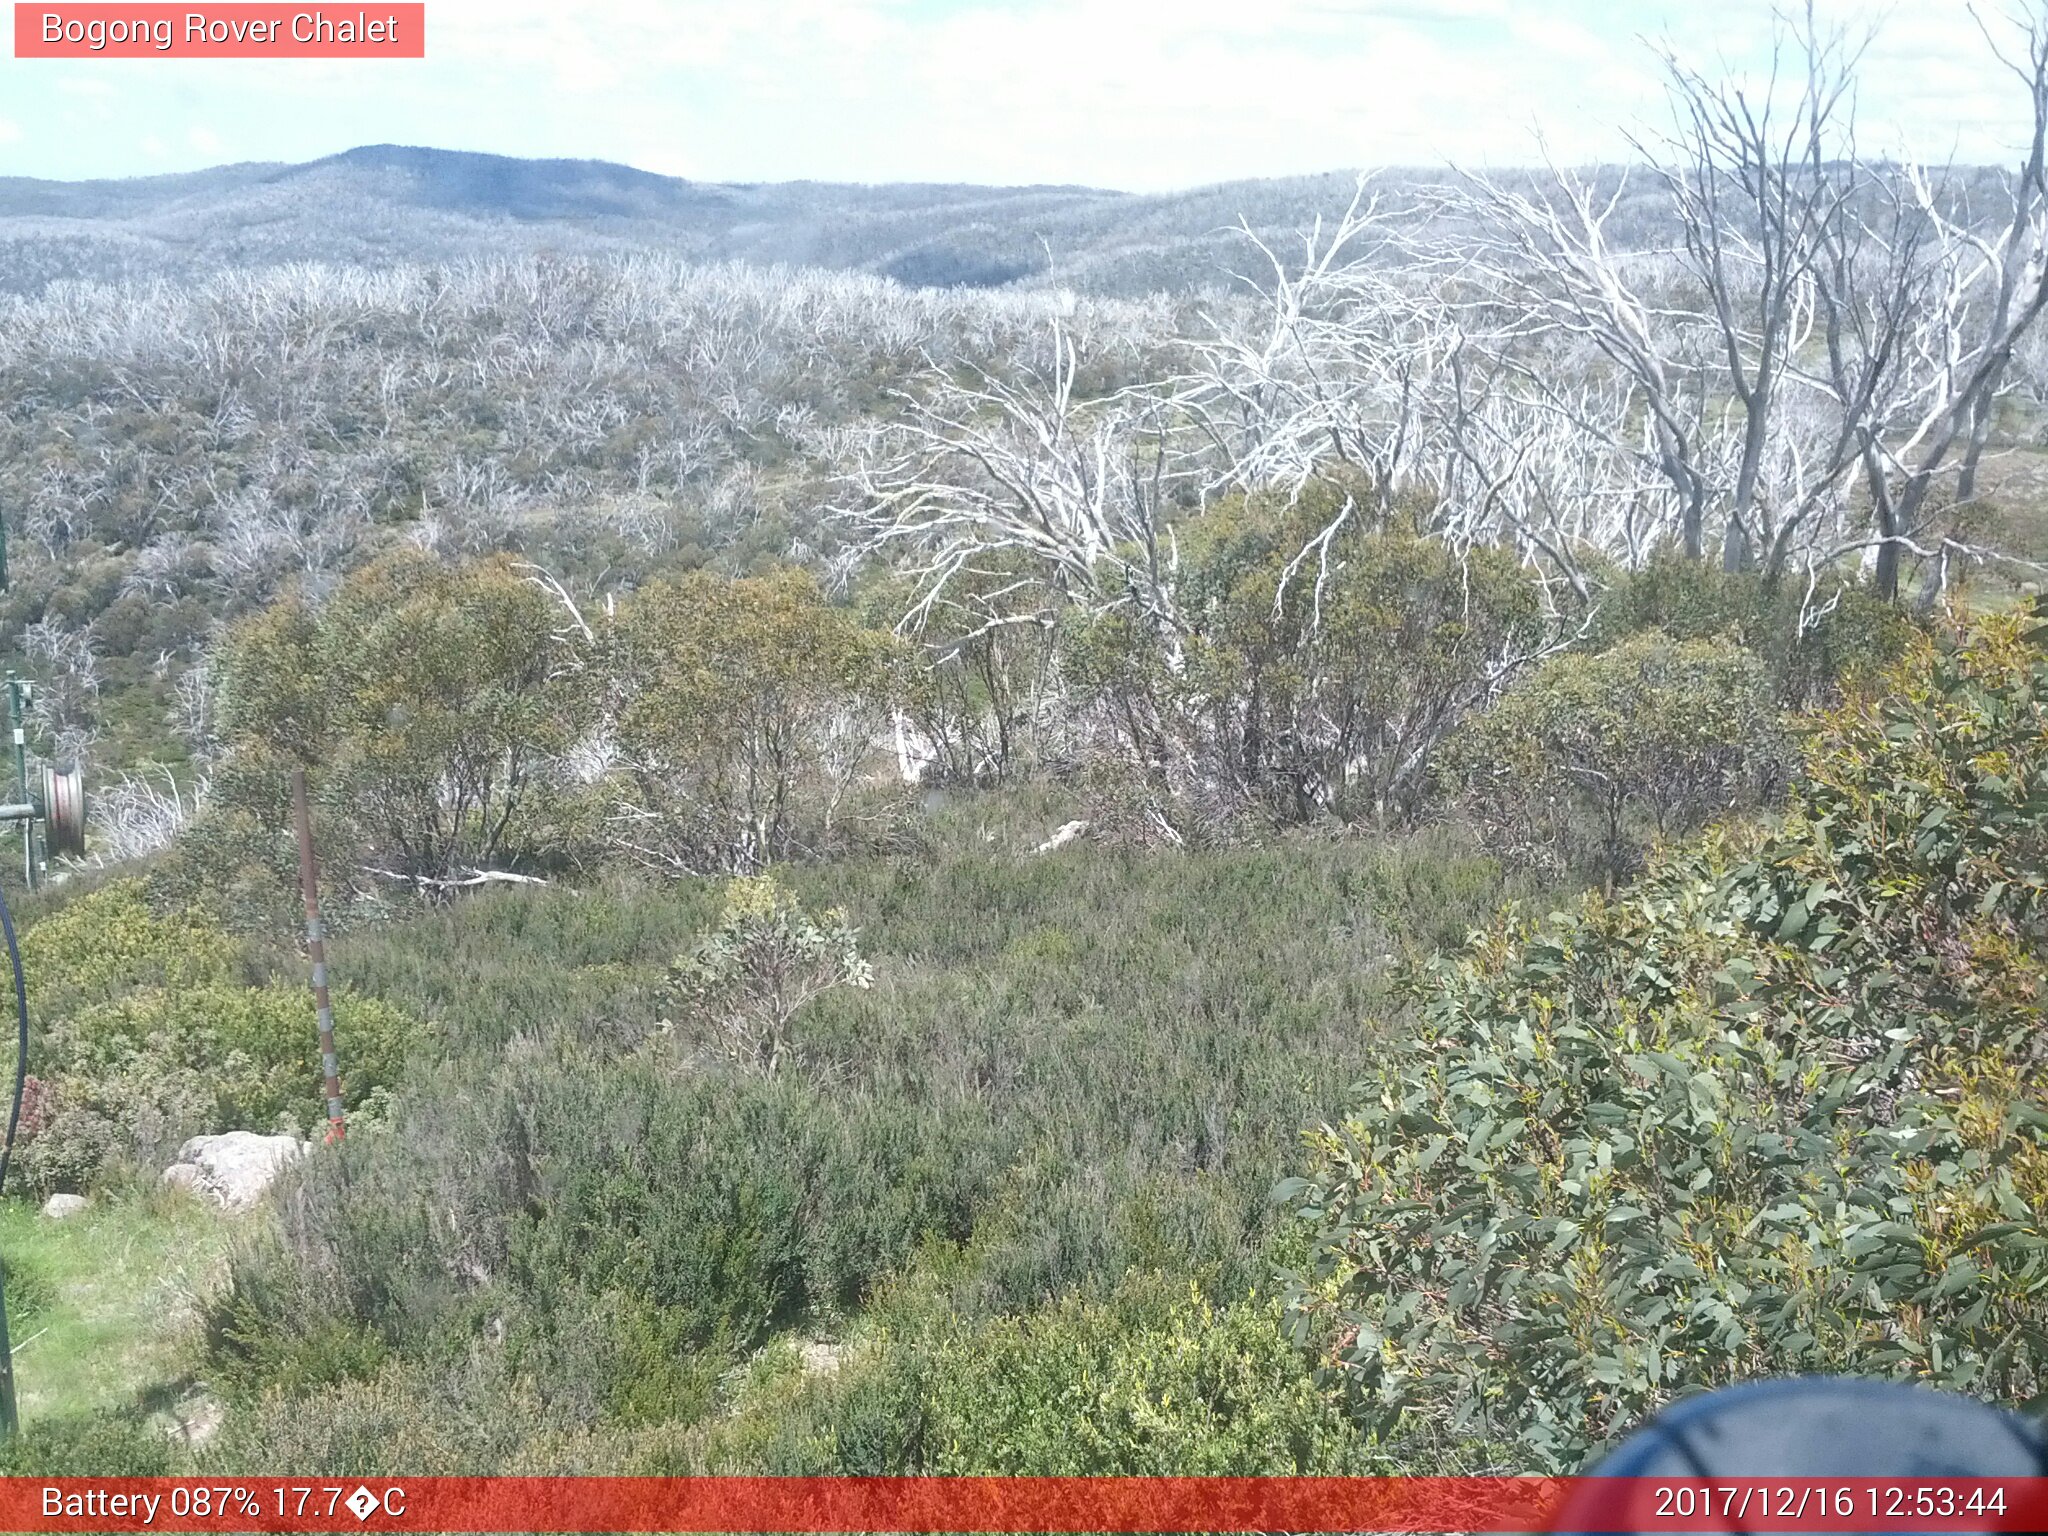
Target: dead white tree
1981,292
64,708
1545,254
1826,324
1021,468
1334,366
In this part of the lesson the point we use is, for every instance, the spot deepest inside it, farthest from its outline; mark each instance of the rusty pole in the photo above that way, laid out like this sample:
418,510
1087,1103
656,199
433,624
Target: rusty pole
316,948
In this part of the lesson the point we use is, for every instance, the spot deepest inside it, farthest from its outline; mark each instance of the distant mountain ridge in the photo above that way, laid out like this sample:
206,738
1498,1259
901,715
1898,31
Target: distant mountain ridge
386,203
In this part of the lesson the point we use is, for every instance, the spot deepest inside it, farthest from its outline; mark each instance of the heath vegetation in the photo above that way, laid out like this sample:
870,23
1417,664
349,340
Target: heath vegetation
1377,871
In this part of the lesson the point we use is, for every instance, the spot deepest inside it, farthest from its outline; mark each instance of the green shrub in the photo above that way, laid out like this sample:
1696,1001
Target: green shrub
1590,753
101,1445
1154,1380
743,983
240,869
1774,1109
584,962
465,1415
430,705
390,1243
730,1205
613,1358
131,1112
148,1033
747,711
109,942
740,1203
976,1101
1846,639
321,1354
1303,688
255,1047
1151,1377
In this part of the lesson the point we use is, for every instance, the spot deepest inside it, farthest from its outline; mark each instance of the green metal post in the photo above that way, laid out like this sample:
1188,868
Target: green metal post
16,688
10,1418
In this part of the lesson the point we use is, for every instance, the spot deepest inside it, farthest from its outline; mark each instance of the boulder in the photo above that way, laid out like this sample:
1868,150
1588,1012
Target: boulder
57,1207
235,1168
183,1176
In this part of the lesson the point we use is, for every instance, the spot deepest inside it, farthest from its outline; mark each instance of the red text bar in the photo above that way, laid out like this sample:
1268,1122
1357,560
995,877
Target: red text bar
226,31
1014,1504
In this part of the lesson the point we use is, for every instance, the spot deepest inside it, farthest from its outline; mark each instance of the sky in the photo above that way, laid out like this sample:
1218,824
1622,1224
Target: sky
1141,95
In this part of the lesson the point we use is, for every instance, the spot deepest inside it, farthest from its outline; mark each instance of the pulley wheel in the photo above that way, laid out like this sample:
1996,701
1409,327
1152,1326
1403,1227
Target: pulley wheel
64,809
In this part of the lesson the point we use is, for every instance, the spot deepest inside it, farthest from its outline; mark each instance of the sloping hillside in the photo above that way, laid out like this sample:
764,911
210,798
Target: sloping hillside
384,203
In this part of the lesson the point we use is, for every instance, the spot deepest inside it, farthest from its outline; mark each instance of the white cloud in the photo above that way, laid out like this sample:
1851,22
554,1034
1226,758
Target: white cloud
1143,94
10,131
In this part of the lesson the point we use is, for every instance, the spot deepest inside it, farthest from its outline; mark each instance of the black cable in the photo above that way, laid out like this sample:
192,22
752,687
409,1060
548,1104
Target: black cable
21,1054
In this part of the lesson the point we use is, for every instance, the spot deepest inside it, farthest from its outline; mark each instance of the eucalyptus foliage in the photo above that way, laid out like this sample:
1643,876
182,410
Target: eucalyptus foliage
1774,1109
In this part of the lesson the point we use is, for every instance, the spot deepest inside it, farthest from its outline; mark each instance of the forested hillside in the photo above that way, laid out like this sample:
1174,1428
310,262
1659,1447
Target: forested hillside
384,205
1379,868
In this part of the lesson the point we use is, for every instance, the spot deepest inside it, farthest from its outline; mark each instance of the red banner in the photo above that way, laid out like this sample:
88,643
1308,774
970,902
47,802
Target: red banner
220,31
1015,1504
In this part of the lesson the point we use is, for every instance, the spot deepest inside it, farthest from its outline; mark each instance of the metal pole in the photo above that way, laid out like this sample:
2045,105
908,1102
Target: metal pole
15,687
316,948
10,1416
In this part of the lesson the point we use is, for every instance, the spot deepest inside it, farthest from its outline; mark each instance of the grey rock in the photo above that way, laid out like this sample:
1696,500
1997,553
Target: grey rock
233,1169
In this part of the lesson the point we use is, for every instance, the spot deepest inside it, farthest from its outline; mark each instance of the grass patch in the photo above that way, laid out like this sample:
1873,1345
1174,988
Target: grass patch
102,1314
